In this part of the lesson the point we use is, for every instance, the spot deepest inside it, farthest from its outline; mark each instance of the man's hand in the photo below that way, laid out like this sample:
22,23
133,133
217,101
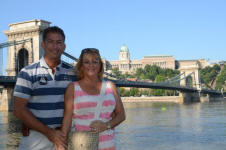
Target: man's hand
57,137
60,148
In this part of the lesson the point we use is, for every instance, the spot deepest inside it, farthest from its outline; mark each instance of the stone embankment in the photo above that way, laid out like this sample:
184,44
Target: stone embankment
175,99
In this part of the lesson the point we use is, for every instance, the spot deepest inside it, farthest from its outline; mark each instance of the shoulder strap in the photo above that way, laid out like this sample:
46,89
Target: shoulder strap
103,88
99,103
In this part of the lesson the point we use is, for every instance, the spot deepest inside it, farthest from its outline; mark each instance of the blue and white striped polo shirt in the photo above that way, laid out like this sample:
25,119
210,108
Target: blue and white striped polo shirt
44,91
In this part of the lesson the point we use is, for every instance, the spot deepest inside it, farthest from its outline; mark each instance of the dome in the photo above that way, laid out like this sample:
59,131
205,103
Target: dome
124,48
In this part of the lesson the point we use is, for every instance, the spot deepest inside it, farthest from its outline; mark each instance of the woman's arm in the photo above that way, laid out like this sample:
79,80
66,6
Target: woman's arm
119,112
68,108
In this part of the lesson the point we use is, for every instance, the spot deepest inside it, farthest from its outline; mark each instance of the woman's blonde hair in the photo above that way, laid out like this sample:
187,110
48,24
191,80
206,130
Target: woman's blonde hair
94,52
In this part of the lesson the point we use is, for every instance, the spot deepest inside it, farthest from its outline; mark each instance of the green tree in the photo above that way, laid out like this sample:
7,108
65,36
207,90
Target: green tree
127,93
144,92
208,74
140,73
160,78
159,92
116,72
151,72
221,80
122,91
134,92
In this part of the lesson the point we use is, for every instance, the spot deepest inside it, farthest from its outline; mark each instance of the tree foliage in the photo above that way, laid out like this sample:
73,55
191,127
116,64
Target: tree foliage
221,80
208,74
119,74
149,72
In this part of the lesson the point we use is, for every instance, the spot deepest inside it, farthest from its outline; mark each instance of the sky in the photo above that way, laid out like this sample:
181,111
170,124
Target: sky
185,29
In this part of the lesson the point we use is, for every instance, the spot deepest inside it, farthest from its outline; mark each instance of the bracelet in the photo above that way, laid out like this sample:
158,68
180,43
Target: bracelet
108,125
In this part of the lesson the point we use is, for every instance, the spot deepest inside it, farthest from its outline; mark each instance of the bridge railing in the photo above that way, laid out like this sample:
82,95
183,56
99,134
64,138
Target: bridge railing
69,59
7,80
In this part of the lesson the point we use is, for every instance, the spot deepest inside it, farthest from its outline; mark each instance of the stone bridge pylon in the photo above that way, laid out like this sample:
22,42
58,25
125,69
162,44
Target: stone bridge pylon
24,48
191,79
191,76
29,49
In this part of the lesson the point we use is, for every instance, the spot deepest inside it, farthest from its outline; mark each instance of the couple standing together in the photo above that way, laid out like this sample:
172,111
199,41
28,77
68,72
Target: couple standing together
50,103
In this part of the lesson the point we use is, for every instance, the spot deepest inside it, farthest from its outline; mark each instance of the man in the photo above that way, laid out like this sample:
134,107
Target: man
39,94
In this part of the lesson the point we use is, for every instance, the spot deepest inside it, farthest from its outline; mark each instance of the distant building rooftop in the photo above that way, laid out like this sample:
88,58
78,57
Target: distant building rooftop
191,60
151,56
124,48
216,62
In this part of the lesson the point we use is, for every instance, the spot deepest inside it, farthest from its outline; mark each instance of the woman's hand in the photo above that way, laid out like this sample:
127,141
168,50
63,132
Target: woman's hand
98,126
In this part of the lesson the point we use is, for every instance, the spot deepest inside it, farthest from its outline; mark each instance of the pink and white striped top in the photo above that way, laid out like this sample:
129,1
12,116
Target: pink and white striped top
84,112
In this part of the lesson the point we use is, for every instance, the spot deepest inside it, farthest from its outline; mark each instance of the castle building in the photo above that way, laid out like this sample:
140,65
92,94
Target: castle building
125,64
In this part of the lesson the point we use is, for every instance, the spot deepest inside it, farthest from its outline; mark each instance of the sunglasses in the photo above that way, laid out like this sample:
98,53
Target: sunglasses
90,50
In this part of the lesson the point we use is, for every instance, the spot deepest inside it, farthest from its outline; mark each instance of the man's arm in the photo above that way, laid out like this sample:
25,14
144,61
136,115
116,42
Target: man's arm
68,108
22,113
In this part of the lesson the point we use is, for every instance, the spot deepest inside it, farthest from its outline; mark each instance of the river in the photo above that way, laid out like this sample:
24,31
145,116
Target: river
153,126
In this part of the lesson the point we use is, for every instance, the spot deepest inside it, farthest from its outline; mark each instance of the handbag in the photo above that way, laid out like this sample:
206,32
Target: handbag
88,140
85,140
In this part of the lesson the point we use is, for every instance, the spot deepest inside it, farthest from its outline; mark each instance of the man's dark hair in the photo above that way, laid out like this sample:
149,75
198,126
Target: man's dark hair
53,29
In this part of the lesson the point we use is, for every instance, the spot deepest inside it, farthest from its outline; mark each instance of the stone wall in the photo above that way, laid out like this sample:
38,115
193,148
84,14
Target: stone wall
151,99
6,99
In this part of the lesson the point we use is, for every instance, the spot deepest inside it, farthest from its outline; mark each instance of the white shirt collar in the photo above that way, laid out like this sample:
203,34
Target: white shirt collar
44,64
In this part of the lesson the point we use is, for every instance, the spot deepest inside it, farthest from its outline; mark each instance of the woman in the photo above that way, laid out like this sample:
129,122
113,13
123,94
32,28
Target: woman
82,99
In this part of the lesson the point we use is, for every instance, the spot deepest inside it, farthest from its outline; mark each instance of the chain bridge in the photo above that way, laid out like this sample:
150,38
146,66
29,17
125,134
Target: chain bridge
24,48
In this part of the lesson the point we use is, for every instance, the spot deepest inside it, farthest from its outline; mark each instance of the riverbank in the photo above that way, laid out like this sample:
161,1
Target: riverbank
174,99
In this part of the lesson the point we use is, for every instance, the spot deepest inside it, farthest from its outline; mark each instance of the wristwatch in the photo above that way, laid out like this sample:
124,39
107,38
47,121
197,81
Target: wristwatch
108,125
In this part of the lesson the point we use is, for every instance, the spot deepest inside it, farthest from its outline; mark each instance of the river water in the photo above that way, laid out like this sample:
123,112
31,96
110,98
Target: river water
153,126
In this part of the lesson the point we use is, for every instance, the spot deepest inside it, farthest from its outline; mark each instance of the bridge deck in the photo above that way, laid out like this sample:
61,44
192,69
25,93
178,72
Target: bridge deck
11,80
7,80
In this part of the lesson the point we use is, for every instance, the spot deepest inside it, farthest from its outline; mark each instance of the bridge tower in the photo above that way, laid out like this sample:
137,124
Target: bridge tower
191,76
191,79
25,48
27,52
